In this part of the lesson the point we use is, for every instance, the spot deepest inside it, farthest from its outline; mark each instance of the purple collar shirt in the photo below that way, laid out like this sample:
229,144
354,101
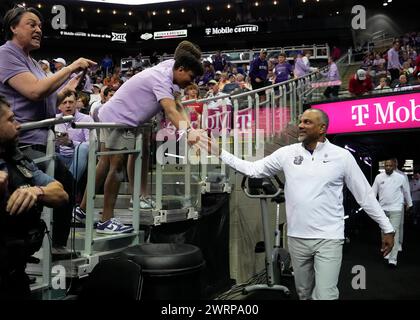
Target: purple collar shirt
332,73
393,59
301,68
137,101
14,61
78,136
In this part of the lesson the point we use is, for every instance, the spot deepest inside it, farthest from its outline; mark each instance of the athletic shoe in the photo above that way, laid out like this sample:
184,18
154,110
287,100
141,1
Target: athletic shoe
79,214
113,226
146,203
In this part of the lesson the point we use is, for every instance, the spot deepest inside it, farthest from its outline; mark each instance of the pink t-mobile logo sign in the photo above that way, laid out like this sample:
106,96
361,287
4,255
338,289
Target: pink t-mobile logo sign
372,114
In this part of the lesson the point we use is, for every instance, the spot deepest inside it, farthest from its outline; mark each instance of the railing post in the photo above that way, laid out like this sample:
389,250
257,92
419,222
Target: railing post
138,162
267,113
293,110
159,182
90,193
254,133
47,215
273,112
236,126
204,125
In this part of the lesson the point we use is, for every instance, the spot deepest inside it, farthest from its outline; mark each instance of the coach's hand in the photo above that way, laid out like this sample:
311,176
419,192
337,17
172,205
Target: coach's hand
387,243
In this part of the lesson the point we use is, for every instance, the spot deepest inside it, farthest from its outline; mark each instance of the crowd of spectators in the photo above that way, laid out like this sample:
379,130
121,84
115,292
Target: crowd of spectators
395,67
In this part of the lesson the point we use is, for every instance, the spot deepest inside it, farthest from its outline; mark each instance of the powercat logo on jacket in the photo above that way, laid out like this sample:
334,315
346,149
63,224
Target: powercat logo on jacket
298,160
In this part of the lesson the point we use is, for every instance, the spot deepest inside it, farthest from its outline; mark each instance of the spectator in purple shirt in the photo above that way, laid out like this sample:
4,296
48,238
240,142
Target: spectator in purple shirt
34,97
332,75
73,144
219,61
283,70
394,65
258,72
135,103
301,68
208,74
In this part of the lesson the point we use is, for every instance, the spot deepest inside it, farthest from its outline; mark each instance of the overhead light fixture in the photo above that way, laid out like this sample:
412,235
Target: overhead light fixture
389,0
82,9
168,11
228,6
125,23
39,6
208,8
385,4
130,13
24,4
256,4
169,24
337,12
114,12
98,10
182,10
275,3
154,13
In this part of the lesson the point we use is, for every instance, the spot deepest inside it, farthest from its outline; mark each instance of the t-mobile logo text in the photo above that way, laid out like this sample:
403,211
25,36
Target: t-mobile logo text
386,113
360,113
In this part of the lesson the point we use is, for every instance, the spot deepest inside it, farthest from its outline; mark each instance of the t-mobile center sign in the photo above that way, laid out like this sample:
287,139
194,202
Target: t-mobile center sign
392,112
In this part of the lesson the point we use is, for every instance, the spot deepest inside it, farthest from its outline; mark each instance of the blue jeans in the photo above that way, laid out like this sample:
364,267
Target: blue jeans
78,162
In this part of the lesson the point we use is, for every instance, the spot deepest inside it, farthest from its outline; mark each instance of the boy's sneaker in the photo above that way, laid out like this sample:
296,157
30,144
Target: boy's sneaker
145,203
79,215
113,226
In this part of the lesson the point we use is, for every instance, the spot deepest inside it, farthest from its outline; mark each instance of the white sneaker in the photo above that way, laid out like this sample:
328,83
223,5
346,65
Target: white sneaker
113,226
146,203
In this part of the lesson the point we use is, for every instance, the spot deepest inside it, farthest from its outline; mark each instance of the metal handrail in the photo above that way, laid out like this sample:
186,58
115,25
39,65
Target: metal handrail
252,92
97,125
45,123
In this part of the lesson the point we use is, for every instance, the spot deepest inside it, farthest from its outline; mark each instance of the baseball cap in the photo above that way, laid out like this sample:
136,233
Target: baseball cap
263,51
44,62
212,82
98,85
60,60
361,74
218,72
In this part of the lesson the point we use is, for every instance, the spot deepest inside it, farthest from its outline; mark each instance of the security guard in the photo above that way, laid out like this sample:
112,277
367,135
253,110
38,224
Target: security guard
24,189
